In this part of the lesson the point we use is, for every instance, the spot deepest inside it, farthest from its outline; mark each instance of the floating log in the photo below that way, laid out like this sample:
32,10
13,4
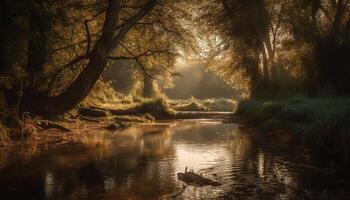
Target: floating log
196,179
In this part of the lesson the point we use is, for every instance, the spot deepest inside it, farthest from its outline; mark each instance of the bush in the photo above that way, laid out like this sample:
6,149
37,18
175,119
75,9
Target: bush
145,118
322,124
193,106
158,108
220,104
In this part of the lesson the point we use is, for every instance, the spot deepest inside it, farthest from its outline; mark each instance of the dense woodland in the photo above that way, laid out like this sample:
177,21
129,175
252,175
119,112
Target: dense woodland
53,52
175,99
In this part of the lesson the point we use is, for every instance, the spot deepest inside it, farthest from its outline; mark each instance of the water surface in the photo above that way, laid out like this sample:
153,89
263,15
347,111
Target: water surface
141,163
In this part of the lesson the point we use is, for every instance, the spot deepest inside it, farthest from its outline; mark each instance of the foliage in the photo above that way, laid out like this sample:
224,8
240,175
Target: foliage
102,94
158,108
145,118
194,104
257,45
191,106
56,55
262,47
321,124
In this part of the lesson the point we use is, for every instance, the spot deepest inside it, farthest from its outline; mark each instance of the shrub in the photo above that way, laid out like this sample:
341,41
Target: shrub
158,108
322,124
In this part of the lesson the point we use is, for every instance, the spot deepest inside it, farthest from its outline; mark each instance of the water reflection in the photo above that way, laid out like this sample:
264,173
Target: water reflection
49,185
142,162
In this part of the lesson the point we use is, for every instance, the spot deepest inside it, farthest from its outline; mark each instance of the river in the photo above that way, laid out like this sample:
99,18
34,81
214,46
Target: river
142,162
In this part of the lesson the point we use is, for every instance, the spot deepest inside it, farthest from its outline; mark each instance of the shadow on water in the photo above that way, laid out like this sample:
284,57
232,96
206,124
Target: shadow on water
142,162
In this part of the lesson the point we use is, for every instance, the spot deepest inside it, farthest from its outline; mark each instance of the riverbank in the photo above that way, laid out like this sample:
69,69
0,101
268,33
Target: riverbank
85,131
319,126
96,117
110,116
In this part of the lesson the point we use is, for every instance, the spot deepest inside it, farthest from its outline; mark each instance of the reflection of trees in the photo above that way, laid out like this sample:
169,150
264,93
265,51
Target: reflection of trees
140,163
240,148
128,165
108,163
17,155
259,172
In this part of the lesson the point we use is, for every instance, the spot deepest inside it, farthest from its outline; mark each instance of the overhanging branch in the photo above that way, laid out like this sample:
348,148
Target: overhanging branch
136,58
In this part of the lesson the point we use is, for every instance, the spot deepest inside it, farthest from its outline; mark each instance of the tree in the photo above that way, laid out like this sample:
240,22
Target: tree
113,32
267,42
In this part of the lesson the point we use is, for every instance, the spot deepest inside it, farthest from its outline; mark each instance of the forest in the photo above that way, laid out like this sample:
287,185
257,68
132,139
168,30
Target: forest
279,70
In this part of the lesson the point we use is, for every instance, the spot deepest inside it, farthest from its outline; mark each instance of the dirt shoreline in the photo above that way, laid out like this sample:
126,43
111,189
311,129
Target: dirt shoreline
53,137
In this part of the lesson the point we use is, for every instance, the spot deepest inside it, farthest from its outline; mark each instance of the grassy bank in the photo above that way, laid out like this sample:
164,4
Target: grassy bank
194,104
322,125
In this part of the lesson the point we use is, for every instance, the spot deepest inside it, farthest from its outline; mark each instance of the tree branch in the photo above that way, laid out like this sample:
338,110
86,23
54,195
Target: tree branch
69,64
96,15
128,24
88,36
137,59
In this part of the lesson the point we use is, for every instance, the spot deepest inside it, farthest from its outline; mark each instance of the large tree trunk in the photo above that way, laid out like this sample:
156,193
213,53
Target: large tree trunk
337,18
80,88
252,63
14,29
148,87
39,33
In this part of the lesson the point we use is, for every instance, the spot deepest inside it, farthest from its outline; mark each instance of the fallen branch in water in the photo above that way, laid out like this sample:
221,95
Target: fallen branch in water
196,179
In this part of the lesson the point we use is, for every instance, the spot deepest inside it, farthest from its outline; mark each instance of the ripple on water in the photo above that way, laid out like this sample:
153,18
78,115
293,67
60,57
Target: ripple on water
142,163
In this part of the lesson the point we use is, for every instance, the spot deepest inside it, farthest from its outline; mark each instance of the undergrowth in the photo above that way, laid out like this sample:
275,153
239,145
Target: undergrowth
158,108
194,104
320,124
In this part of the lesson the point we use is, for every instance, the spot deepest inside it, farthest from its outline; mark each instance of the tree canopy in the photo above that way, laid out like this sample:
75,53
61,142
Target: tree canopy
54,51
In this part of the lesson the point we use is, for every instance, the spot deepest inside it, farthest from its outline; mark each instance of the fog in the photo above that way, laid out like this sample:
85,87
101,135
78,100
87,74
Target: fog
196,81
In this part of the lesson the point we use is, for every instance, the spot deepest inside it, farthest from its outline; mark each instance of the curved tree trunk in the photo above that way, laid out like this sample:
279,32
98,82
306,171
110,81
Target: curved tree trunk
81,87
77,91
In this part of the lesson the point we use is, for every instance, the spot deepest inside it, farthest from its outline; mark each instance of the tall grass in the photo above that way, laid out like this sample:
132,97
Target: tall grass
158,108
194,104
4,138
321,124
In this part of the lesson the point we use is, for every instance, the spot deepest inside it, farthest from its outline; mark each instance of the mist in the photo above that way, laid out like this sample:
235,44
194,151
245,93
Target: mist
198,82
